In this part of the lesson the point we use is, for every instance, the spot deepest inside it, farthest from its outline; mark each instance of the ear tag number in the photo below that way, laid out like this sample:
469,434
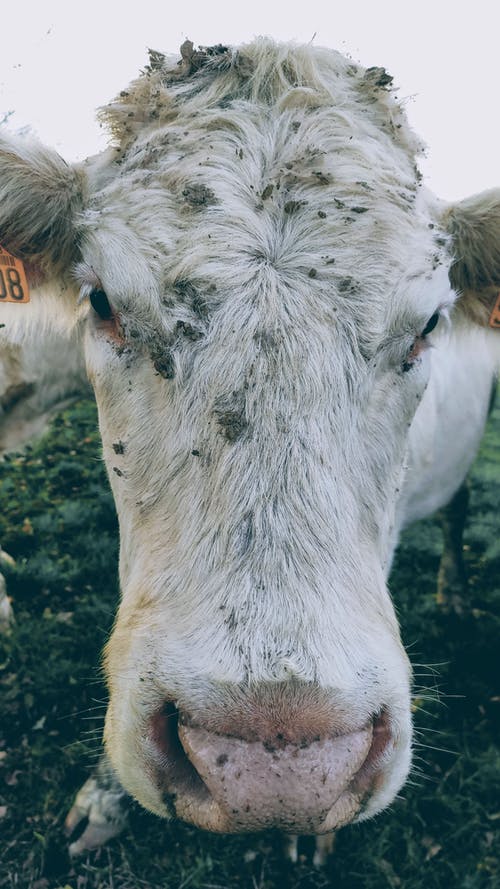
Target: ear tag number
495,314
13,282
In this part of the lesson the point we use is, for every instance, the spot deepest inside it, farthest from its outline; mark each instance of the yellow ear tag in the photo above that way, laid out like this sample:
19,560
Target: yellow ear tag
495,314
13,282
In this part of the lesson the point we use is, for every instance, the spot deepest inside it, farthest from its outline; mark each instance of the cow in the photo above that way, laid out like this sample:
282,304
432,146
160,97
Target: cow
38,378
292,346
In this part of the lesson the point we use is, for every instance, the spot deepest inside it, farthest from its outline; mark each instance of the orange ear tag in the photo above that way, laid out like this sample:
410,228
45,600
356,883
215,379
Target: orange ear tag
13,282
495,314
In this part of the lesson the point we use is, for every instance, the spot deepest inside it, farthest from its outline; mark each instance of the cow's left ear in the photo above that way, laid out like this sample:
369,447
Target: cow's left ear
40,198
474,226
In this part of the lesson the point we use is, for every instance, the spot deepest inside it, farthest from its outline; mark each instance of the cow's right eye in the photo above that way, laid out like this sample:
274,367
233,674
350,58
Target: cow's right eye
101,305
431,324
105,320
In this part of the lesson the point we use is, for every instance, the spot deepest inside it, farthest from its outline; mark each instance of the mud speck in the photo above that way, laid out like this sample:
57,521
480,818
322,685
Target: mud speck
348,285
163,363
198,195
292,207
193,59
321,214
119,447
312,273
188,331
191,296
321,178
232,424
156,62
266,340
229,411
378,76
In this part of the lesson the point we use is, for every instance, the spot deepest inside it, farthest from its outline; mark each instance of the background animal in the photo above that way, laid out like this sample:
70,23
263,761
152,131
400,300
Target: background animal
38,378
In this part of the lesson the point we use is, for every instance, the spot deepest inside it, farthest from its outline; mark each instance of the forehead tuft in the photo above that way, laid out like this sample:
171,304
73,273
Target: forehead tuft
171,89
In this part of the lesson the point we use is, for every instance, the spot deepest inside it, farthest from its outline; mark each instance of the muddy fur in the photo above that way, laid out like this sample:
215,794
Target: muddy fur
261,71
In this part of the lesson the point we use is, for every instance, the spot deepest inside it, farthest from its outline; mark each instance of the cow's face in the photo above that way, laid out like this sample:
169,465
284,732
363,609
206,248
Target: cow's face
260,284
254,419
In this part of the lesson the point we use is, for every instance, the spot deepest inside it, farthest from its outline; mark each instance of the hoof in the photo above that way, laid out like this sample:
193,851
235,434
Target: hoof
322,848
451,593
6,611
325,845
100,808
291,848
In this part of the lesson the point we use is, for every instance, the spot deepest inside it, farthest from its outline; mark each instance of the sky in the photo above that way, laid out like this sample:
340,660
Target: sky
62,60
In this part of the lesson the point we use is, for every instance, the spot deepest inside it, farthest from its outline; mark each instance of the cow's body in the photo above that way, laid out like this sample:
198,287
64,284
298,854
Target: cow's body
448,426
265,275
37,378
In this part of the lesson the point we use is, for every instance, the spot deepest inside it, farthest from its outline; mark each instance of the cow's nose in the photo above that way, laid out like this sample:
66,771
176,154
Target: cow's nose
229,784
257,785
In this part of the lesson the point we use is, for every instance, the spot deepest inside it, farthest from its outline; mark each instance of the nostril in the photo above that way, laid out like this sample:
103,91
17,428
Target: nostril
382,735
174,772
370,774
164,728
383,739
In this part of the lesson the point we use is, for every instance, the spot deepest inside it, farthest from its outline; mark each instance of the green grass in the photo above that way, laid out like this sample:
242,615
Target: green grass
57,520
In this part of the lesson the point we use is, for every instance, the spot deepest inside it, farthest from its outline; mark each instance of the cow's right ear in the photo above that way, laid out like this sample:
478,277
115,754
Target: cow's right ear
40,198
474,226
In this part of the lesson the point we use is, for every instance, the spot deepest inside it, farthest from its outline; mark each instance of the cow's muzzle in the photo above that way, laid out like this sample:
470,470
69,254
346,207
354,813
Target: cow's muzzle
229,784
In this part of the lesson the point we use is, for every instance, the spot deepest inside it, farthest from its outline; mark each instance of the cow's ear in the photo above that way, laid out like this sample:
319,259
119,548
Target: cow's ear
474,226
40,198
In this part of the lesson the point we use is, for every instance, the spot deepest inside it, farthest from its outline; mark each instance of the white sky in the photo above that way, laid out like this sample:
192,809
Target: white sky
61,60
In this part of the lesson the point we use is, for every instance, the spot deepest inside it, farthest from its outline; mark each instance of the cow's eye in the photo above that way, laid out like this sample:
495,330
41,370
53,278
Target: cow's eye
101,304
429,327
419,343
105,320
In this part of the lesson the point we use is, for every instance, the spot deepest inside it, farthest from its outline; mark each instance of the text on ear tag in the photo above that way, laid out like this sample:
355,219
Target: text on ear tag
13,282
495,314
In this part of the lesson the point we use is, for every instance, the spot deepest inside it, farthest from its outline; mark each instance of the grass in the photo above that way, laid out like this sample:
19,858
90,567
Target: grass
57,520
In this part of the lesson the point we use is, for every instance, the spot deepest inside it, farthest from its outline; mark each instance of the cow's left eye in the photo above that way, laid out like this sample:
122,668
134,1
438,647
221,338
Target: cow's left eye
419,343
101,304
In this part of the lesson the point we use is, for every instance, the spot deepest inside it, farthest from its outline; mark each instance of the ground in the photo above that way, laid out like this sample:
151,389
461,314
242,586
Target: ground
57,520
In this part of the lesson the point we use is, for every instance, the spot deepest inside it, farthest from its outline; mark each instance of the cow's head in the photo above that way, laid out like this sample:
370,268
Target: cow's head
259,274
